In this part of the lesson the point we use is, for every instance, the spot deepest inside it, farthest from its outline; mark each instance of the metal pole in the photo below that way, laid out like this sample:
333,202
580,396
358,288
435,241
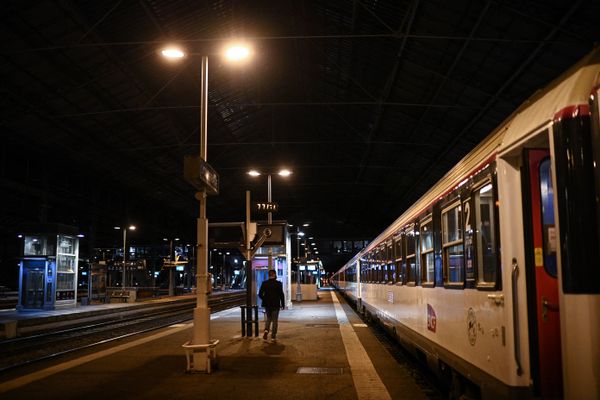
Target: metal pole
124,255
201,331
248,254
171,270
298,287
270,218
269,221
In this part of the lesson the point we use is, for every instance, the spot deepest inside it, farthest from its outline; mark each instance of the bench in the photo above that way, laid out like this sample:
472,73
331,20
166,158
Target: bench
122,295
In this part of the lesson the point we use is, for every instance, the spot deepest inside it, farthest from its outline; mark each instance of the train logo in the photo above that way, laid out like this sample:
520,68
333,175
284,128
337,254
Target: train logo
431,318
472,326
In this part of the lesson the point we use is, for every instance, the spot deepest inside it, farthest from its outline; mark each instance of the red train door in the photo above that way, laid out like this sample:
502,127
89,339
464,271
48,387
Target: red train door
543,301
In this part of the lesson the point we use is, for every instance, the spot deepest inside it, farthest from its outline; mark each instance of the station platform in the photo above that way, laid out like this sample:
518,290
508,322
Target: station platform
323,351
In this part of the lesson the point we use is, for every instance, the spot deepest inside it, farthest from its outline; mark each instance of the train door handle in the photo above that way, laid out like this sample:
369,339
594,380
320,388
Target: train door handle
546,305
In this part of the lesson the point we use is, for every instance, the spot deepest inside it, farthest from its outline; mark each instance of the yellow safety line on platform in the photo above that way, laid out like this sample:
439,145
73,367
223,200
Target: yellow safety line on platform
35,376
367,383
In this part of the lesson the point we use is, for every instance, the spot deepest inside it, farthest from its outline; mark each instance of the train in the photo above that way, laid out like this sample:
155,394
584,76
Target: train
492,277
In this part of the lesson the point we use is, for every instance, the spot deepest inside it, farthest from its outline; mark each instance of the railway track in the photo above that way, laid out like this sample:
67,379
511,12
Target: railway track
21,351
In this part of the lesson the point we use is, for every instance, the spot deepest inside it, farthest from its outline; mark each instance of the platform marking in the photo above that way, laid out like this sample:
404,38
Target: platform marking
367,383
44,373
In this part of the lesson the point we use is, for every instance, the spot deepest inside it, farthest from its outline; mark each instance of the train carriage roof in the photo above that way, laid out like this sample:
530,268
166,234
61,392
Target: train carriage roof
572,88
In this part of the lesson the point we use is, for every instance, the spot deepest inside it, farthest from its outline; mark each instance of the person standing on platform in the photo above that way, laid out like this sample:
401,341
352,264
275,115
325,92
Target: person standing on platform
271,294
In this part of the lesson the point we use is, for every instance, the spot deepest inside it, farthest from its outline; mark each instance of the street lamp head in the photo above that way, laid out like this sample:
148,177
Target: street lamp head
253,173
285,172
237,52
172,53
132,227
117,227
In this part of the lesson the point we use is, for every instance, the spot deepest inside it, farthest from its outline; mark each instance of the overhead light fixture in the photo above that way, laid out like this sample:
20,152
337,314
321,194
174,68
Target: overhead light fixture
253,173
285,172
172,53
305,225
237,52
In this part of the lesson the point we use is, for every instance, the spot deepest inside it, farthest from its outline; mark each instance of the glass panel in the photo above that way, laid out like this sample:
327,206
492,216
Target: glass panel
399,272
66,245
451,230
410,244
35,246
485,233
411,268
455,263
65,263
453,254
547,198
428,267
65,281
427,236
398,247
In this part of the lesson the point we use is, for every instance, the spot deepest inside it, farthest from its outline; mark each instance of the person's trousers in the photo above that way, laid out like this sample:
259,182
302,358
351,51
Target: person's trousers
272,315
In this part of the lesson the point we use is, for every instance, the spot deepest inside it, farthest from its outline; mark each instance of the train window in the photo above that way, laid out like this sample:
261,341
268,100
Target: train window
383,264
411,256
390,262
452,245
485,236
398,254
427,259
547,197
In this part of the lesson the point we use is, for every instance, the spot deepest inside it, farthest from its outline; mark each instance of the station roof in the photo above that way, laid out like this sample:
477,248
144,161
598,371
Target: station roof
368,103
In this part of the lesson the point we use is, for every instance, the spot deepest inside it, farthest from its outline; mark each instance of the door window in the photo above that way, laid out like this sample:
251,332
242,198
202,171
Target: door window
548,229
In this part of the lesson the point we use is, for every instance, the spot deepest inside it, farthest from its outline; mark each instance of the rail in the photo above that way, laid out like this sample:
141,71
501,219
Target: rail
515,311
25,350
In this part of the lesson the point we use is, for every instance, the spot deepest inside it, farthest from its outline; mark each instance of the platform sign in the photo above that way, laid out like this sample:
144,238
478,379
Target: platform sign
266,207
200,174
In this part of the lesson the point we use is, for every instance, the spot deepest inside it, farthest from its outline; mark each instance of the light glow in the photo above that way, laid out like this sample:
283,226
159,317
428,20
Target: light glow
173,53
132,227
237,52
254,173
486,188
285,172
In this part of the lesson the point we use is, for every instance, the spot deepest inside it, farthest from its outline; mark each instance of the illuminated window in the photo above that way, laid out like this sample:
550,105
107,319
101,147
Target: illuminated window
427,258
411,255
485,236
452,245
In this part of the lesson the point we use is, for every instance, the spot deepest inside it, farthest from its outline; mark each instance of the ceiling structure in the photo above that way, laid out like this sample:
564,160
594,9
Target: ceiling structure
368,102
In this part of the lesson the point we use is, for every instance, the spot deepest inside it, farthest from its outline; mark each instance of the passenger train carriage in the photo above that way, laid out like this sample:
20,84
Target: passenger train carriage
493,276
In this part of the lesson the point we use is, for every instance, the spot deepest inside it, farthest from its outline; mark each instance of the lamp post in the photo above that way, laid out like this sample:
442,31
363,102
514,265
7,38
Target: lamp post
201,329
131,228
284,173
299,234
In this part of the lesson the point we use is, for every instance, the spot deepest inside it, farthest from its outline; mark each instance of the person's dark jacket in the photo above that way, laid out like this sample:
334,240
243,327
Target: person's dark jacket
271,294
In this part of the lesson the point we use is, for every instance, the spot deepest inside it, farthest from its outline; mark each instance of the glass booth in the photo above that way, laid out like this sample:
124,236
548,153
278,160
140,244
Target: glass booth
279,246
48,272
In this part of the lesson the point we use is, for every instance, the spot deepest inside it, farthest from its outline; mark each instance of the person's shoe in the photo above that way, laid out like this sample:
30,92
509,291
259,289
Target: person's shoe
266,335
273,338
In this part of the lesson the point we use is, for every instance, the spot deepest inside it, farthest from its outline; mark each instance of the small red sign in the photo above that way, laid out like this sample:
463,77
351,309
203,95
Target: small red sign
431,318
